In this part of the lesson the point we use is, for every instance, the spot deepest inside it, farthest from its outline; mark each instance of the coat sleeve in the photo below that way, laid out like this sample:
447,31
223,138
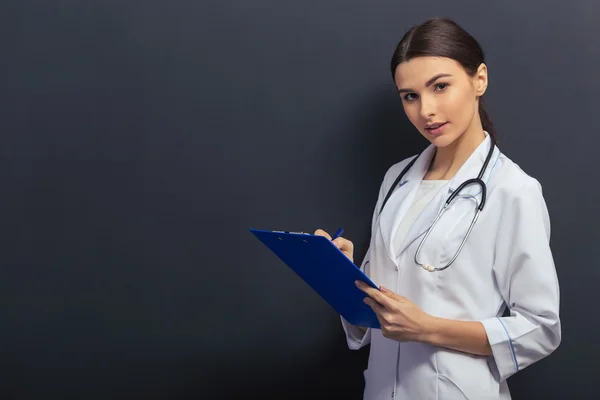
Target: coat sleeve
355,337
525,273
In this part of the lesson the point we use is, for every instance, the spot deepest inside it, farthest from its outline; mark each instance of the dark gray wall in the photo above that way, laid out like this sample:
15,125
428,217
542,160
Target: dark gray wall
141,139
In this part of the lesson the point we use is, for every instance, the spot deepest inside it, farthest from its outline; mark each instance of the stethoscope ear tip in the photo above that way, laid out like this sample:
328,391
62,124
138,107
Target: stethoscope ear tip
428,267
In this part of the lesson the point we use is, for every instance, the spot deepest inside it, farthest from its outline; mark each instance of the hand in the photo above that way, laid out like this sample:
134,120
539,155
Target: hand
346,246
400,319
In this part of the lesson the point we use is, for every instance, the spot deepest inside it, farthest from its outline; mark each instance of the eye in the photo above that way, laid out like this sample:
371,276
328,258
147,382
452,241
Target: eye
441,86
410,96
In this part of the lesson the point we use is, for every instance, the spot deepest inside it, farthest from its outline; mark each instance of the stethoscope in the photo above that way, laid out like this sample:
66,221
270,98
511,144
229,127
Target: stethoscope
473,181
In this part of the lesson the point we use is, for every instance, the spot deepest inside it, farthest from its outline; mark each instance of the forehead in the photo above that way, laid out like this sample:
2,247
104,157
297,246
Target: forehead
415,72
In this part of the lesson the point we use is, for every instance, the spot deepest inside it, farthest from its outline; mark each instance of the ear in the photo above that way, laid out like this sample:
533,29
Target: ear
481,80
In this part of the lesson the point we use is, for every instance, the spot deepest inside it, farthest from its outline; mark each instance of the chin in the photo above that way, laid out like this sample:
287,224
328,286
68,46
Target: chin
440,141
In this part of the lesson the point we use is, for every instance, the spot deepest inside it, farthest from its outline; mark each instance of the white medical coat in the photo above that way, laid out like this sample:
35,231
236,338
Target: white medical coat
505,261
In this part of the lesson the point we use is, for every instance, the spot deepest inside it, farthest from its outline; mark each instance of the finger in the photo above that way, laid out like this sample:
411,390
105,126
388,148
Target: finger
376,295
321,232
344,244
391,294
377,308
368,289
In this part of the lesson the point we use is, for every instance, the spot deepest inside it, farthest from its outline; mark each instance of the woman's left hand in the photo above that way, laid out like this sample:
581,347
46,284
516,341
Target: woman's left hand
400,319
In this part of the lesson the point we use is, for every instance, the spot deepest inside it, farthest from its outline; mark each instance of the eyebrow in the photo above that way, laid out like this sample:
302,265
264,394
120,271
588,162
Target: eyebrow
428,83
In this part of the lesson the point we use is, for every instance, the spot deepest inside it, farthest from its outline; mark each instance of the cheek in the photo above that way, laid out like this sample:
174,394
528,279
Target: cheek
456,106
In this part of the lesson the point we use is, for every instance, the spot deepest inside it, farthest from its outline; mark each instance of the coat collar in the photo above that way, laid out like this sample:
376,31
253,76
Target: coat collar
471,168
398,205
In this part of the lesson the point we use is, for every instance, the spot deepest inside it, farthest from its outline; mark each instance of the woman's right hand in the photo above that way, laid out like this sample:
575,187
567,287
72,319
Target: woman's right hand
346,246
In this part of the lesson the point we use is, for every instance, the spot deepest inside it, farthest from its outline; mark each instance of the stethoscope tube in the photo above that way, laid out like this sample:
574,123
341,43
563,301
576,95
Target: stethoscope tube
467,183
472,181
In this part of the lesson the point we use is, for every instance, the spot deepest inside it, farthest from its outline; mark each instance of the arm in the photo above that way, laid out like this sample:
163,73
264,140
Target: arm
402,320
526,277
466,336
532,330
525,274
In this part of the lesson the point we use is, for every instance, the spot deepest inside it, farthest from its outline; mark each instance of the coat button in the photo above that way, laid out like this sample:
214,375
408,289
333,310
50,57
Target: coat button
396,268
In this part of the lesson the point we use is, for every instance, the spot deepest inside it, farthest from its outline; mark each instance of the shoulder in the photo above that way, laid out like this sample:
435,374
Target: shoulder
520,200
513,185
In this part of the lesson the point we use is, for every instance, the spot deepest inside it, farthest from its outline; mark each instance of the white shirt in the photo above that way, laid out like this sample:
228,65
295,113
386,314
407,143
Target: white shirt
425,193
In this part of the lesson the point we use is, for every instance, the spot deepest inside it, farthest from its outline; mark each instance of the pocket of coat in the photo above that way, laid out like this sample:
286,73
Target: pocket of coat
449,390
465,376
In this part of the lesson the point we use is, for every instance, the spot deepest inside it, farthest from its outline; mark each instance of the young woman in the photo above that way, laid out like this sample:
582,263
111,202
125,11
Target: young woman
446,279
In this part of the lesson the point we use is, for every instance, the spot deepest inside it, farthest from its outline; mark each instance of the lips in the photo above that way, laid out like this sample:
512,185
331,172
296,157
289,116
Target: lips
435,126
435,129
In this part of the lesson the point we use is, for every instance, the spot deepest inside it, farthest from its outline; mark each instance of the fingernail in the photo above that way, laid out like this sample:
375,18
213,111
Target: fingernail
357,283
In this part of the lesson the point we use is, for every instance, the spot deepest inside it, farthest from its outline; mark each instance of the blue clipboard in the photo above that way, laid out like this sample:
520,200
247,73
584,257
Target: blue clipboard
326,269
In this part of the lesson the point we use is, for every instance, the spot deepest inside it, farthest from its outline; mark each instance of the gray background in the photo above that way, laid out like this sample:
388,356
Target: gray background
141,139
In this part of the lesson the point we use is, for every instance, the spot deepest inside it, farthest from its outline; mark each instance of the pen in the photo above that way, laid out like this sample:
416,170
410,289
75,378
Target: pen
338,234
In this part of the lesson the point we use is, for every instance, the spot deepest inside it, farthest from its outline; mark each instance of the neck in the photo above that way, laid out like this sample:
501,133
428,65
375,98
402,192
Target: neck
448,160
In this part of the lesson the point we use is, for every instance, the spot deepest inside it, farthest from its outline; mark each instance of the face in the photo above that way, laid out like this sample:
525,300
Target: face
440,98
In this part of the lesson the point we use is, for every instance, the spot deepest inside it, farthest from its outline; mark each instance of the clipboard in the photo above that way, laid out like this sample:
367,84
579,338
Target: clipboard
326,269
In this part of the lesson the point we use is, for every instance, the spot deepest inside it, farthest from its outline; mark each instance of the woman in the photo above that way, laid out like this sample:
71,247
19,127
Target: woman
444,334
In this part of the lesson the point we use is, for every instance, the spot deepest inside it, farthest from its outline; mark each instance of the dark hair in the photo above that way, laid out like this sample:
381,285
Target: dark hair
442,37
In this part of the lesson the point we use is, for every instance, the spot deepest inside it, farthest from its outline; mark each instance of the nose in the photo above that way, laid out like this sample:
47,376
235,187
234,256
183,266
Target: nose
427,107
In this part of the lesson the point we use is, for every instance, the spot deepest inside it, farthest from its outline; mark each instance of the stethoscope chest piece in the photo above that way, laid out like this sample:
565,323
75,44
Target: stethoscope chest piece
428,267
